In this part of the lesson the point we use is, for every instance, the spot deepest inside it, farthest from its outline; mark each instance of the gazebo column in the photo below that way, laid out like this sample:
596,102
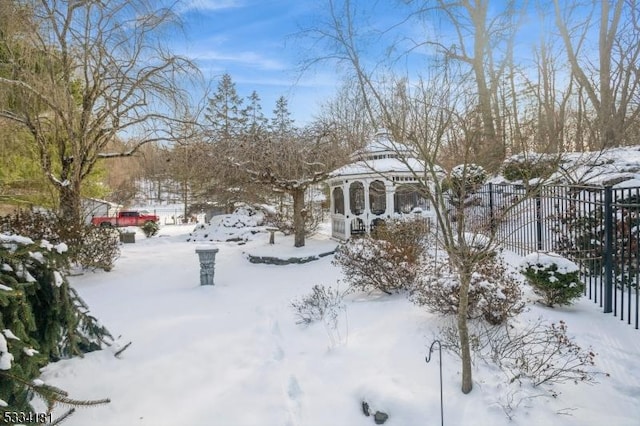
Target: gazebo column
332,202
390,190
367,208
347,209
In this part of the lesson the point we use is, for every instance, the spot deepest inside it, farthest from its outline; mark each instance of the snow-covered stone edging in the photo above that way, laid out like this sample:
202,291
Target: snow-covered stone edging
271,260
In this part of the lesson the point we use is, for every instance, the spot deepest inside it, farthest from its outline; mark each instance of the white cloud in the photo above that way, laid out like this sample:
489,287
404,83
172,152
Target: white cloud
210,5
253,59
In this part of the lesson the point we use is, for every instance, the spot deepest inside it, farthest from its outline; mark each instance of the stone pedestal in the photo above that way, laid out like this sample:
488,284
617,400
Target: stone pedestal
272,232
207,257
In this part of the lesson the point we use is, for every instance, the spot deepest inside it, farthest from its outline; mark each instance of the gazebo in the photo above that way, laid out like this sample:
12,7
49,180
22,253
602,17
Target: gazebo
380,183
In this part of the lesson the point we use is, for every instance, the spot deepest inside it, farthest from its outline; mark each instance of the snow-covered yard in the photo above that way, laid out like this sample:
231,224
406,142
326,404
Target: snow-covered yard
232,354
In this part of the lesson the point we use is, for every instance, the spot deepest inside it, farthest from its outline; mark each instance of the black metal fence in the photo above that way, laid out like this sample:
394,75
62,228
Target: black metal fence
596,227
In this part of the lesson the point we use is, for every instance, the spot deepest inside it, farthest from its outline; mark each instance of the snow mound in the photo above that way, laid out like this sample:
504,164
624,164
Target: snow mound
539,260
242,225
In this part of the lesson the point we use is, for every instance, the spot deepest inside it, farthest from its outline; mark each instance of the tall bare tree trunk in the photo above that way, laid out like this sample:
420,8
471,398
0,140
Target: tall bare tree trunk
463,331
70,201
299,213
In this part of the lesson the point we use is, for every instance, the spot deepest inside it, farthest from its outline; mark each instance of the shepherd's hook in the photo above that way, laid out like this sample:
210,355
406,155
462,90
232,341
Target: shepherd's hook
428,359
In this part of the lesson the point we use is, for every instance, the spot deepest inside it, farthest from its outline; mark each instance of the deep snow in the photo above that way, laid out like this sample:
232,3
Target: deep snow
232,354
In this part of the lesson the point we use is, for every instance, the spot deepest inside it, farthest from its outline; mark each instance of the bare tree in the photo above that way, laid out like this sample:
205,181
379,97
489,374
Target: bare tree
88,71
346,115
291,163
479,35
612,83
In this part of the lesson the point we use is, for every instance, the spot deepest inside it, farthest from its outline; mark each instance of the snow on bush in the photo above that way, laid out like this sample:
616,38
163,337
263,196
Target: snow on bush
42,319
390,262
528,167
465,178
494,292
87,246
370,264
553,277
100,248
150,229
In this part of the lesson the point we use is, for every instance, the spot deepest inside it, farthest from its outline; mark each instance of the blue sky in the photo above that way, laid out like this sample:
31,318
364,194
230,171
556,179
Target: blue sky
255,42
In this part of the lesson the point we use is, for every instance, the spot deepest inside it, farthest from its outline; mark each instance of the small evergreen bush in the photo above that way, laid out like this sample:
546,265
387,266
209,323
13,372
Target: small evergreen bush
494,292
553,277
150,229
524,168
465,179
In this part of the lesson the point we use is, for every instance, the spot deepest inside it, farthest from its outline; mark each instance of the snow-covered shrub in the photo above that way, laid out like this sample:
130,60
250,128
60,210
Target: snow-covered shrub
409,235
244,223
42,319
466,178
462,193
243,217
494,292
88,246
388,263
553,277
100,248
580,234
150,229
526,167
324,304
33,224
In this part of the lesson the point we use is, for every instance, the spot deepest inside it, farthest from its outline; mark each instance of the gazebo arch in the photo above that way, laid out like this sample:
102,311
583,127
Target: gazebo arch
407,198
338,200
356,197
377,197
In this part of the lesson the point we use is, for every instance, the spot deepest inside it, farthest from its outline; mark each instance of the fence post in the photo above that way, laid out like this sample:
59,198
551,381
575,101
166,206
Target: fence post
608,250
492,220
539,219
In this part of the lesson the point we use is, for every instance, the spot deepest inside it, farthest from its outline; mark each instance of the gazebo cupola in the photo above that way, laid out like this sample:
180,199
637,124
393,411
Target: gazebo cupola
379,183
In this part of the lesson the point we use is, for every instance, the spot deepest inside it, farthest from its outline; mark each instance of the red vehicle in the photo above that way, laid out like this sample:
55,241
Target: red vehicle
125,218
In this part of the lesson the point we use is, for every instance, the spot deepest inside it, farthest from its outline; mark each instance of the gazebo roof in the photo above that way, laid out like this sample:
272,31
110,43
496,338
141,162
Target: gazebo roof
380,144
382,156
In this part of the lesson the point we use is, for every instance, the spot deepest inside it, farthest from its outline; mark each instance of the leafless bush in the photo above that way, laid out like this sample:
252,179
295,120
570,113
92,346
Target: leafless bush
323,304
539,353
99,248
494,292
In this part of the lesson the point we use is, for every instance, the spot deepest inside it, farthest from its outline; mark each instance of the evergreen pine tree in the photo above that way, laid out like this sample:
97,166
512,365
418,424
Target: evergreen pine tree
256,121
225,115
42,319
281,122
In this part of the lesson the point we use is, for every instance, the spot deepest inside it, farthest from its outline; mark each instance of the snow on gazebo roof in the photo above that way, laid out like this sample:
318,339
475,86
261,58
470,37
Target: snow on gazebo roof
382,166
380,144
